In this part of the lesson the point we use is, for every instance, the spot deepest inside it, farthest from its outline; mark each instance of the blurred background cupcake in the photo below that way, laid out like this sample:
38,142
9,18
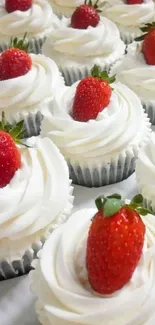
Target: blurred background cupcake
28,83
137,69
98,129
36,197
65,7
145,173
83,40
34,17
129,16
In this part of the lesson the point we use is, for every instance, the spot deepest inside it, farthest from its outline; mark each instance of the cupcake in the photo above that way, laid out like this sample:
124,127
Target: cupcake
35,197
65,7
100,144
98,268
27,85
145,173
34,17
129,16
83,40
137,70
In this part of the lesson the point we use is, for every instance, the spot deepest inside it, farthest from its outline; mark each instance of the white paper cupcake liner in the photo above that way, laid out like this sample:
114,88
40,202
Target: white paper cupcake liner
35,45
17,267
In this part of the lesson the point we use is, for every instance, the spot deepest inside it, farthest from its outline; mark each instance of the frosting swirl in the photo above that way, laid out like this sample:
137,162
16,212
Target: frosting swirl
64,298
129,15
67,45
134,72
145,171
104,137
37,21
30,93
29,203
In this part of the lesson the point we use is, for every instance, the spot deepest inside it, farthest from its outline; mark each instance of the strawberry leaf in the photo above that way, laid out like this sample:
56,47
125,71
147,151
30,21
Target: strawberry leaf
100,202
112,206
96,72
143,211
21,44
114,196
138,200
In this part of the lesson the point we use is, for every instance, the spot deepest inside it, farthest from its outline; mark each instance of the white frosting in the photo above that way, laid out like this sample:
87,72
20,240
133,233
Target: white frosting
65,7
37,197
103,138
38,21
63,297
128,17
31,92
134,72
145,171
71,46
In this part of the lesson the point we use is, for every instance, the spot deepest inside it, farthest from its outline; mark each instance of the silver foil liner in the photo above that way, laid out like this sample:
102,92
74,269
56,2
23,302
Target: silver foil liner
35,45
102,174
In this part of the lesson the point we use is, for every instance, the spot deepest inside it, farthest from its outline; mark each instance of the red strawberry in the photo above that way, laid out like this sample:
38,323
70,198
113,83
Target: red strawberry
115,243
134,2
10,158
14,63
85,15
148,47
21,5
92,96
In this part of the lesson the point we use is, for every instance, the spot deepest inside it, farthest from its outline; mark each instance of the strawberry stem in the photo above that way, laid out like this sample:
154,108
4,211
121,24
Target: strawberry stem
96,72
21,44
95,5
16,130
145,29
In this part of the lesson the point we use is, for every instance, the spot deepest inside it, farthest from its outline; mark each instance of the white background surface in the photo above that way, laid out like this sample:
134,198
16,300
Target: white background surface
17,305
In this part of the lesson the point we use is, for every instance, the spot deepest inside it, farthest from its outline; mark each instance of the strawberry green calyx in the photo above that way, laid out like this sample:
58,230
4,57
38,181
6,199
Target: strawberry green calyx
113,203
15,130
145,29
95,5
21,44
96,72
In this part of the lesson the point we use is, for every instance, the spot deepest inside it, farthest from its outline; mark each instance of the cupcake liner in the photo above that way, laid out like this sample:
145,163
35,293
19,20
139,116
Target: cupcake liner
32,122
106,173
148,204
72,74
128,37
150,110
34,43
17,267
